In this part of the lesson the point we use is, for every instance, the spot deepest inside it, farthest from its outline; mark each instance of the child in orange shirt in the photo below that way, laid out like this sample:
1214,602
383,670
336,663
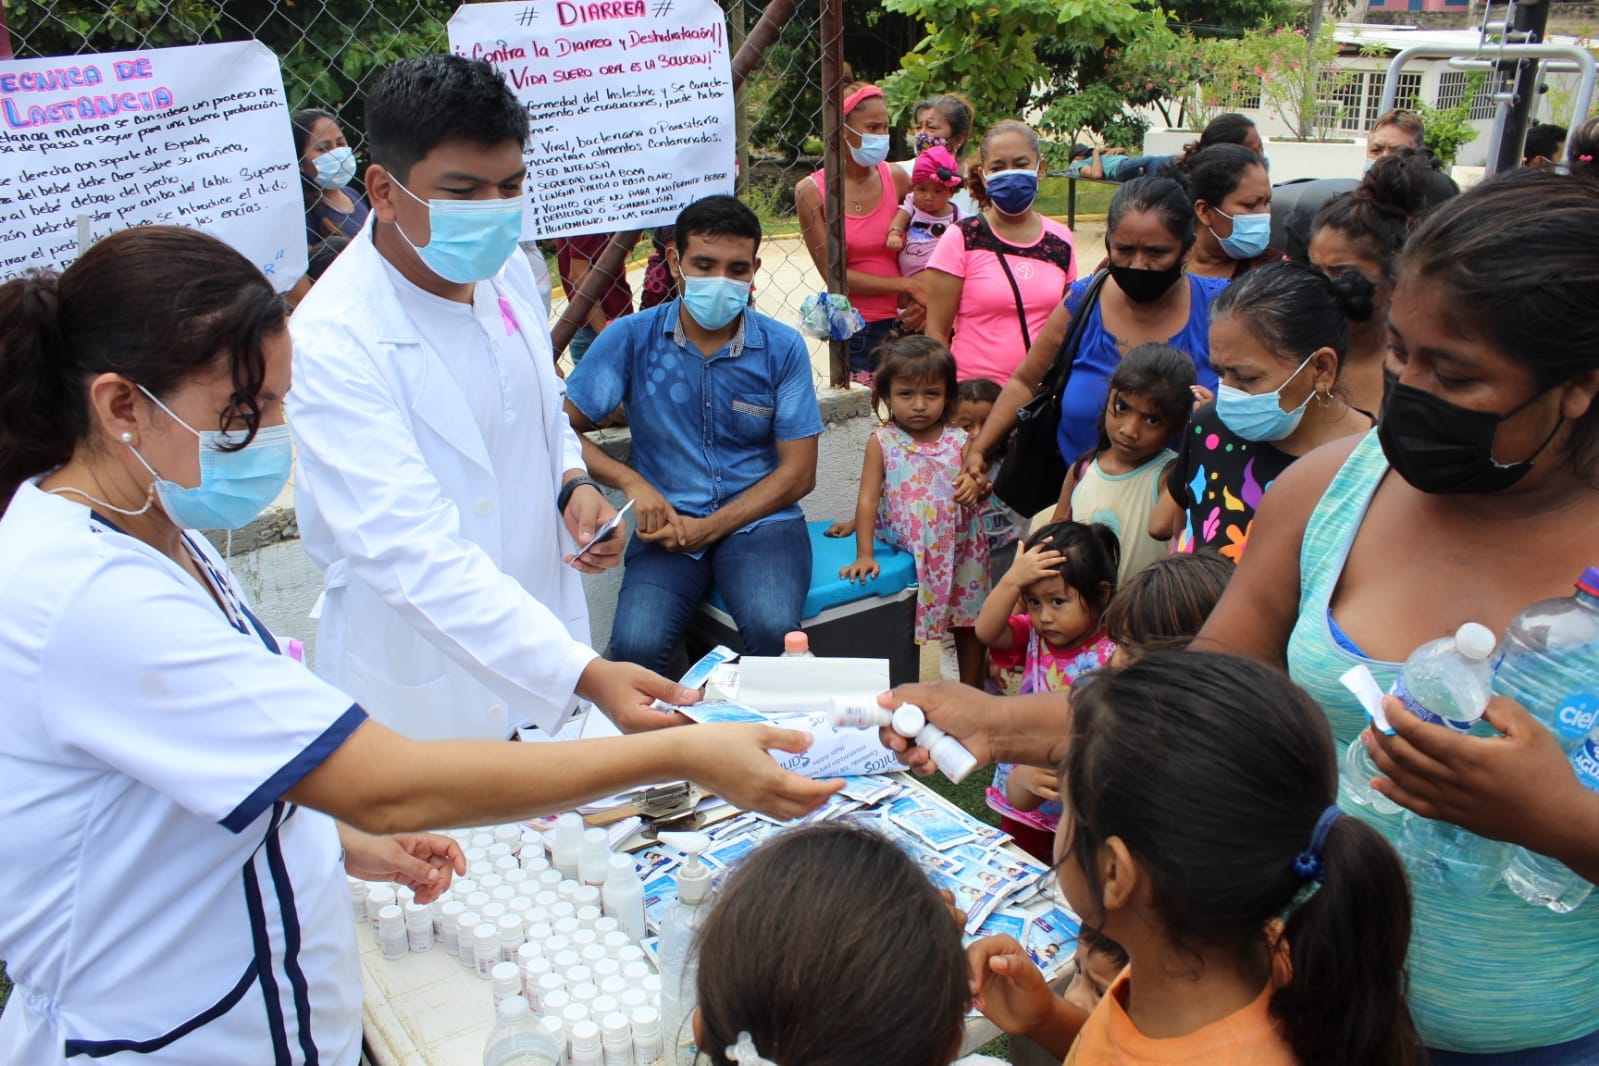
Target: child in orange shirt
1200,833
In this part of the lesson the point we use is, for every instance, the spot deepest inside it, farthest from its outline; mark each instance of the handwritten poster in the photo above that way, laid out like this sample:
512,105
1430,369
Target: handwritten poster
630,101
196,136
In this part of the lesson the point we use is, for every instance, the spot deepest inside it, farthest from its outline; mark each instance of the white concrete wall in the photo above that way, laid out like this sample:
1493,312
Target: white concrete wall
283,584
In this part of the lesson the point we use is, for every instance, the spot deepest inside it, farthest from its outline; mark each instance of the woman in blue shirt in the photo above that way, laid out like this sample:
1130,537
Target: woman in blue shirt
327,167
1147,297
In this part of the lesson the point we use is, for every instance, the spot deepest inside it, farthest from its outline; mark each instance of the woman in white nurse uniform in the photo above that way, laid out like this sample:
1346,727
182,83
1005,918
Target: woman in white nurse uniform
176,794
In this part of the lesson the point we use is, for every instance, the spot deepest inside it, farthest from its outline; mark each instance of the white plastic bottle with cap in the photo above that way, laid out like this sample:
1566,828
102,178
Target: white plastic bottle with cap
517,1039
908,720
679,969
588,1048
419,926
594,860
568,844
646,1036
391,932
1447,682
485,949
506,981
624,897
796,645
616,1037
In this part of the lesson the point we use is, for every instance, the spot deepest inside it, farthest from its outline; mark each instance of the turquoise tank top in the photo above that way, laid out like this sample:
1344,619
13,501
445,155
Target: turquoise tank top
1487,974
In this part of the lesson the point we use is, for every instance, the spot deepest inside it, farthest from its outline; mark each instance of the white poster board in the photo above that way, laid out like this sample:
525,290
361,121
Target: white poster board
195,136
630,101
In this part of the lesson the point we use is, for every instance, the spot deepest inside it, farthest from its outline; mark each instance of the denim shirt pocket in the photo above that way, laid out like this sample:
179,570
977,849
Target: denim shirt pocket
753,413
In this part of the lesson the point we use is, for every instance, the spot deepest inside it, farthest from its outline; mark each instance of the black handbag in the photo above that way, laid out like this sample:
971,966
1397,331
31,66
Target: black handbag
1033,470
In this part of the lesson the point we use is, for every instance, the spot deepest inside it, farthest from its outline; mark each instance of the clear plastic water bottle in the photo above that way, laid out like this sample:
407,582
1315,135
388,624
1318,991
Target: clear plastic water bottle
679,969
1550,665
517,1039
1447,682
1547,882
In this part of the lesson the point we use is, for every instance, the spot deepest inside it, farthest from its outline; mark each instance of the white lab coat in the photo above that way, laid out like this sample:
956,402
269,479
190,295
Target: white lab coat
398,502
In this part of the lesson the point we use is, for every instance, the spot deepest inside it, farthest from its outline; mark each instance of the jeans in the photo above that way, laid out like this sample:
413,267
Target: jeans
763,574
864,344
578,346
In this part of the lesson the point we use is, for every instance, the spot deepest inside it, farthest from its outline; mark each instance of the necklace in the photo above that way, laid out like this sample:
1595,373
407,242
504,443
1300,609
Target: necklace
148,501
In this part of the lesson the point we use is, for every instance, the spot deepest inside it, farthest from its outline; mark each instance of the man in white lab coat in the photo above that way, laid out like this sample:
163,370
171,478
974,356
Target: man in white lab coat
438,483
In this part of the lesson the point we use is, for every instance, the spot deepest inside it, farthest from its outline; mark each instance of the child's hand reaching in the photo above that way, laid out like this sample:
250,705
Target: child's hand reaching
896,240
1007,987
968,489
862,570
1029,787
845,528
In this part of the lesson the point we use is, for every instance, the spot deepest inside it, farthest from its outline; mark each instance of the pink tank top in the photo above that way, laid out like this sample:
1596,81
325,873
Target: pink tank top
864,249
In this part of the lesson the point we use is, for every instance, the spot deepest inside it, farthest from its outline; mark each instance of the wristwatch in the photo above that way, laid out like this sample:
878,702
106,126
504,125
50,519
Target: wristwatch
564,497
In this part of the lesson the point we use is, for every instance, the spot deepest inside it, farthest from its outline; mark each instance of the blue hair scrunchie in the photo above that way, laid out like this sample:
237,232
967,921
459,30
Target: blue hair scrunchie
1309,864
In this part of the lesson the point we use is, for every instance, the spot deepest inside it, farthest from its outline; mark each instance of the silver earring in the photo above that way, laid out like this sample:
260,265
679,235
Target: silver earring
127,438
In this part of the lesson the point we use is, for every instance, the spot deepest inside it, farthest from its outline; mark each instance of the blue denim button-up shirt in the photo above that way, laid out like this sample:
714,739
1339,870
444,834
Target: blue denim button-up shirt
705,428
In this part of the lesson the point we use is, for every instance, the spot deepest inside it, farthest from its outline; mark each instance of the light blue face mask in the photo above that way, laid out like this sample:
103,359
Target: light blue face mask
468,240
234,486
714,302
873,149
1251,235
1260,416
335,168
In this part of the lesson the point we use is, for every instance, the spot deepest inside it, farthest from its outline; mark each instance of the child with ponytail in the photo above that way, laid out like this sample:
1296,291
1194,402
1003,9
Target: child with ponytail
1201,833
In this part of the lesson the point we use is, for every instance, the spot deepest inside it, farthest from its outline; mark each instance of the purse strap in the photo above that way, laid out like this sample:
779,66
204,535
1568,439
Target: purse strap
1015,289
1060,371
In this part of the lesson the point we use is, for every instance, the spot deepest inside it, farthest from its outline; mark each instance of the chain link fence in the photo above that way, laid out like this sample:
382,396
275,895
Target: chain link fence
331,51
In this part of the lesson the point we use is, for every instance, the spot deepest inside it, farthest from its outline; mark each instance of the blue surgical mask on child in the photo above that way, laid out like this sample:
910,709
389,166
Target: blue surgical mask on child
335,168
1012,191
1251,234
1260,416
235,486
468,240
714,302
873,148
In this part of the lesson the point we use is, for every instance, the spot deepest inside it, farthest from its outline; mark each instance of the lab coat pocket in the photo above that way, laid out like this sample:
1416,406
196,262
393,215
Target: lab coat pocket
421,711
752,416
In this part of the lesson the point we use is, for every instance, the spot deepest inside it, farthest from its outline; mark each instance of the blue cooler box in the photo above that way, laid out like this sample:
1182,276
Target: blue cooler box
876,620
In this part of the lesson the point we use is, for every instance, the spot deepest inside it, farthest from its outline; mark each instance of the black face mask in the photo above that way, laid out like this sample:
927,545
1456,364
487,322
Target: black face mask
1145,286
1442,448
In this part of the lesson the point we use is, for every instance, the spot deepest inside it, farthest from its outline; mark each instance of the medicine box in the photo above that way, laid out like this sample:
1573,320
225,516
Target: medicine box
876,620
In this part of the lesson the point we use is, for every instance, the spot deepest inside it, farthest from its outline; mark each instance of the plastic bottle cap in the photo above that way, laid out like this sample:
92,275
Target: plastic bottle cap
512,1009
796,641
1589,581
646,1017
617,1027
1474,640
908,720
621,867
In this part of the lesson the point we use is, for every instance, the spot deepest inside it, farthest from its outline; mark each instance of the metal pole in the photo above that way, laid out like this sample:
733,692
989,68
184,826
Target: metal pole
612,262
832,47
1520,81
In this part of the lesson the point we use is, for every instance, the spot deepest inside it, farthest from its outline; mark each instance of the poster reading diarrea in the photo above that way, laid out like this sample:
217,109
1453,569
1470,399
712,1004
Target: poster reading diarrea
630,103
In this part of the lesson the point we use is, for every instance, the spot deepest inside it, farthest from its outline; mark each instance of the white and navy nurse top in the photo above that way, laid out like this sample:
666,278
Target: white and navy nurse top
163,902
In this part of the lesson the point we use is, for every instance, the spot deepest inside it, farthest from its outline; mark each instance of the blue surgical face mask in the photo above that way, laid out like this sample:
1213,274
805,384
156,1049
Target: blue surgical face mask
1251,235
235,486
1012,191
468,240
335,168
1260,416
873,149
714,302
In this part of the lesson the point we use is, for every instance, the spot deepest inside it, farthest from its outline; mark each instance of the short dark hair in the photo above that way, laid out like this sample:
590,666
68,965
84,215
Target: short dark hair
1211,174
1164,605
1543,139
425,101
1164,197
1093,553
1227,128
978,390
1518,256
829,945
1405,119
716,216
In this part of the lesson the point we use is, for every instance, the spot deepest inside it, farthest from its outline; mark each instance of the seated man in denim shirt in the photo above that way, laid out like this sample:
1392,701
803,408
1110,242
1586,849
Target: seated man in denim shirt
725,424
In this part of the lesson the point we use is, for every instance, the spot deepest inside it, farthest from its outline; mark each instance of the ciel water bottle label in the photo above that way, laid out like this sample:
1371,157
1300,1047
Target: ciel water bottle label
1578,714
1420,710
1585,760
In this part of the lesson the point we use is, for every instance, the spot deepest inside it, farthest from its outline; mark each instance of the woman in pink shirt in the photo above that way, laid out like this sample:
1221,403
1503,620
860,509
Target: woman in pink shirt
995,277
873,190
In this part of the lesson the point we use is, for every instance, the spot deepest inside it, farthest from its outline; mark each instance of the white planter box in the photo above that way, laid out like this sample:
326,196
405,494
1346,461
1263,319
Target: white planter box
1290,160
